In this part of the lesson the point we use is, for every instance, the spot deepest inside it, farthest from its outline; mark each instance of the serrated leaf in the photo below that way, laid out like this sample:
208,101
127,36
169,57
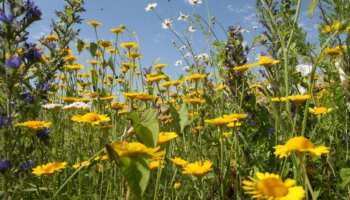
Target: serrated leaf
146,128
137,175
93,48
345,177
80,45
311,7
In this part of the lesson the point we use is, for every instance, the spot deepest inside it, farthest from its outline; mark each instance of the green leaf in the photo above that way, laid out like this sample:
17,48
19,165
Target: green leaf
345,176
93,48
258,39
180,118
311,8
111,65
348,44
137,175
218,44
80,45
146,128
69,13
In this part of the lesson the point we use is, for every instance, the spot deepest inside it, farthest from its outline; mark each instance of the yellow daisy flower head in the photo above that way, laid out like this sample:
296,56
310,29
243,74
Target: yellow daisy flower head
94,23
195,77
94,62
51,38
299,98
107,98
179,161
194,100
156,78
335,51
166,136
128,45
93,118
49,168
160,66
35,124
117,30
198,168
300,145
81,164
330,28
112,51
245,67
70,58
279,99
263,60
116,106
156,163
133,55
126,149
69,99
272,187
145,97
105,43
320,110
177,185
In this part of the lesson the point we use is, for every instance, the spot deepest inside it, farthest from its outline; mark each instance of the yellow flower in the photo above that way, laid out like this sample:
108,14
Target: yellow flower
129,45
93,118
112,51
245,67
279,99
145,97
194,100
134,55
272,187
51,38
234,124
74,67
299,145
94,23
198,168
155,78
49,168
116,30
107,98
195,77
166,136
70,58
69,99
155,163
320,110
179,161
126,149
160,66
331,28
299,98
220,87
333,51
116,106
263,60
81,164
98,158
94,62
105,43
35,124
170,83
177,185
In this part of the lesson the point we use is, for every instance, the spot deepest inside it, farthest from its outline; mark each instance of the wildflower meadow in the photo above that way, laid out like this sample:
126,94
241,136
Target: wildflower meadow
264,118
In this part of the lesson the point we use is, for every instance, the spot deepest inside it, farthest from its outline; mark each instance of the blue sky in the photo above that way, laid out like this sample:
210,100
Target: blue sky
156,42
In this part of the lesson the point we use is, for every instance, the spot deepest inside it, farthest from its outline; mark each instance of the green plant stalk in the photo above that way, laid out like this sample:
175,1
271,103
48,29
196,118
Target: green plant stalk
222,189
312,75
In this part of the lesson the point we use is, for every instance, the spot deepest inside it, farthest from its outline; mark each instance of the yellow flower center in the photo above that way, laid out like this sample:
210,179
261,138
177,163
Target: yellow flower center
92,117
272,187
299,143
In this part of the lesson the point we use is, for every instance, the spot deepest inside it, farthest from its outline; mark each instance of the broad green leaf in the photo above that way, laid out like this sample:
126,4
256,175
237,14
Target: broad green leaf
311,8
80,45
93,48
111,65
146,128
137,175
345,177
180,118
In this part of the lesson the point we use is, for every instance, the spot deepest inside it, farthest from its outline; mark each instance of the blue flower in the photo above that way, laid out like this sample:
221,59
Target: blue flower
45,86
6,19
27,97
34,54
33,10
43,133
26,165
4,165
14,62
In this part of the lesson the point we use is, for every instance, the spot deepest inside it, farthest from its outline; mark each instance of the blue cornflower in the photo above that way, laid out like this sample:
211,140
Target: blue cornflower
14,62
4,165
43,133
34,53
33,10
26,165
6,19
27,97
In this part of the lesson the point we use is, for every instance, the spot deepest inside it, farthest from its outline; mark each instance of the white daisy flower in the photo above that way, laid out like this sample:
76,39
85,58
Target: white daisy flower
303,69
195,2
78,105
255,27
178,63
150,6
182,17
51,106
191,29
167,23
183,47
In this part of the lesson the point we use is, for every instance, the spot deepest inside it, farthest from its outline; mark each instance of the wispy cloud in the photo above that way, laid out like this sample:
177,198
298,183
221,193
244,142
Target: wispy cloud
239,9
